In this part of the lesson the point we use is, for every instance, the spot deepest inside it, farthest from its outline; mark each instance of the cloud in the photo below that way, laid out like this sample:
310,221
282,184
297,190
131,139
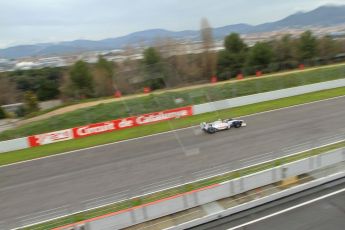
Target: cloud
24,21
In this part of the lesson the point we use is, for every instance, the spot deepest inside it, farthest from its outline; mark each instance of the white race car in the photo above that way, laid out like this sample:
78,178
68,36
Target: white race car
220,125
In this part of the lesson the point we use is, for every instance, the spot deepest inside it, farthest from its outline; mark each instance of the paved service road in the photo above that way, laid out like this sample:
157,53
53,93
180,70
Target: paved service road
327,212
67,179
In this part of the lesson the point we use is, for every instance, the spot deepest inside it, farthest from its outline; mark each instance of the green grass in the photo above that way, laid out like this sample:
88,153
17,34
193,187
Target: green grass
166,100
183,189
65,104
46,150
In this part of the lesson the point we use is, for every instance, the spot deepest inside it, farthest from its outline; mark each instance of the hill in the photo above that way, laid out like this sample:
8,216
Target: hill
323,16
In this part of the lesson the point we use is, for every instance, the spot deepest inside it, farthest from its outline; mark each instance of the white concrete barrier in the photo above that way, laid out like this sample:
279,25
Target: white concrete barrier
267,96
15,144
257,202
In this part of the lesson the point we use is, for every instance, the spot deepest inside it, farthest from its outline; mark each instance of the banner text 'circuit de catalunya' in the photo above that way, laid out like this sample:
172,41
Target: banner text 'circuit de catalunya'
108,126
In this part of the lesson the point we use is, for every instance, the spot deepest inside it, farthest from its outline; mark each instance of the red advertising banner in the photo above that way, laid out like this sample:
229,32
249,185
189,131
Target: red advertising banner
108,126
52,137
163,115
93,129
130,122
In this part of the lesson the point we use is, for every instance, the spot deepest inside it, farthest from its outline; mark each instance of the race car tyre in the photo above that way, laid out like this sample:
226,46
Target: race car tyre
211,130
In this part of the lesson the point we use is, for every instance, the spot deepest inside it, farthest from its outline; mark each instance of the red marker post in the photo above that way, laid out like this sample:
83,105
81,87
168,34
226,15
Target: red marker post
147,89
214,79
239,76
258,73
118,94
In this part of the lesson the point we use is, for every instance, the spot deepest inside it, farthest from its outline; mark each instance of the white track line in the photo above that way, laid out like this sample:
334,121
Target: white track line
175,130
292,106
288,209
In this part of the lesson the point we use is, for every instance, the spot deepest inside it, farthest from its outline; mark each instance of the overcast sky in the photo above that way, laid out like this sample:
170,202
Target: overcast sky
33,21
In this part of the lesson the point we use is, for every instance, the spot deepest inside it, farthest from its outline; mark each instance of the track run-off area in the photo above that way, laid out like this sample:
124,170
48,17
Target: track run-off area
68,180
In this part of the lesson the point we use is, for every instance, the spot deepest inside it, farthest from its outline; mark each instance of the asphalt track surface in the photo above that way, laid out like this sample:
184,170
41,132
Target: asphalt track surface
326,213
67,180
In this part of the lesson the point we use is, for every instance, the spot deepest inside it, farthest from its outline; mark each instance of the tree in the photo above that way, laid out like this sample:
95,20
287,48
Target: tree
284,49
47,90
2,113
188,66
154,70
103,77
49,83
126,70
229,61
30,102
172,53
9,94
260,55
234,44
209,57
327,47
44,82
307,46
341,44
232,59
82,80
151,56
166,47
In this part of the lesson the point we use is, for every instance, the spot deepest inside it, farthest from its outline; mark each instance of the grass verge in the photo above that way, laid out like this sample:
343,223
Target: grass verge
182,189
167,100
47,150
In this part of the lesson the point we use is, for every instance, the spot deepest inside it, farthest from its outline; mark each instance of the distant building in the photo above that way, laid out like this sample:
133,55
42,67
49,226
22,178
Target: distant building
40,63
25,65
340,34
11,108
50,62
6,64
